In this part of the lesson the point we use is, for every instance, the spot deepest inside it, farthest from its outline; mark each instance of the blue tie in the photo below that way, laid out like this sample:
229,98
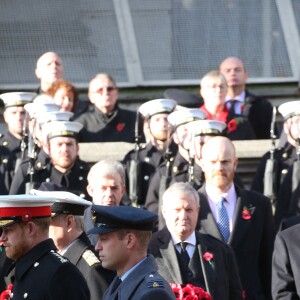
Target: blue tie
223,220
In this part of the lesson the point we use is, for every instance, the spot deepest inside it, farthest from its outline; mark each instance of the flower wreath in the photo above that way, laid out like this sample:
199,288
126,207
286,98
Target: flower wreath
189,292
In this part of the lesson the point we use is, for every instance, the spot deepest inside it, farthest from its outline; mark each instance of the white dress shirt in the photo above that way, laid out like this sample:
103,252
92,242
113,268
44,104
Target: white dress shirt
230,203
191,243
238,105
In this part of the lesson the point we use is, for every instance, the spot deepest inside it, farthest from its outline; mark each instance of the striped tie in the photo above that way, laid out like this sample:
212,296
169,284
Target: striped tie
223,220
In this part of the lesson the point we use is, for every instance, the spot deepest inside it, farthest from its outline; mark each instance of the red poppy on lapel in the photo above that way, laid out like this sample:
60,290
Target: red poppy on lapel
247,213
208,256
232,125
120,126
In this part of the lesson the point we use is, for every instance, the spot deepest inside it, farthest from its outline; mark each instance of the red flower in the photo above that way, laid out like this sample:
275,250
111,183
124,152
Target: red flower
208,256
5,295
120,126
247,212
189,292
232,125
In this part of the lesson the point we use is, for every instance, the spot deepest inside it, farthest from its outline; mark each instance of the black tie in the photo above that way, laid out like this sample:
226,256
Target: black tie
184,254
231,105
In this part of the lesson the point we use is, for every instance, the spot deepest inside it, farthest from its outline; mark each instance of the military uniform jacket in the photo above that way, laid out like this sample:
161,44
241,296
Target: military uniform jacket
288,202
82,254
75,179
221,272
143,283
99,127
150,158
10,152
44,274
283,159
178,172
286,264
251,239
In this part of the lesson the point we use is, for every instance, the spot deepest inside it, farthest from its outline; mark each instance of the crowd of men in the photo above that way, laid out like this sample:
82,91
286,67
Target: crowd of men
173,211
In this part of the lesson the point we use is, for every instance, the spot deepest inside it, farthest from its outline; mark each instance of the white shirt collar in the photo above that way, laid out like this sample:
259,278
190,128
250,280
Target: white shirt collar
241,97
191,240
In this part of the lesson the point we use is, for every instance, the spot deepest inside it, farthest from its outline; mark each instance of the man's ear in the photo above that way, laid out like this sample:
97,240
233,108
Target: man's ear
90,190
70,221
130,240
31,228
37,73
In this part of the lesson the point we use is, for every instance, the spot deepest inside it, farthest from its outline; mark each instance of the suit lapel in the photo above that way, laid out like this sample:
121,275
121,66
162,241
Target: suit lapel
168,253
208,270
240,225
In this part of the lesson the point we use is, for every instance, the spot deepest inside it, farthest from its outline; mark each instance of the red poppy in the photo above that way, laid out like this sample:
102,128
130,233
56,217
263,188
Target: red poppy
5,295
246,215
120,126
189,292
232,125
208,256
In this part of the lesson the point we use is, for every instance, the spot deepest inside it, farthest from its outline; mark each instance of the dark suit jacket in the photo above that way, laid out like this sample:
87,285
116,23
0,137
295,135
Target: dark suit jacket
286,264
143,283
252,240
259,112
222,276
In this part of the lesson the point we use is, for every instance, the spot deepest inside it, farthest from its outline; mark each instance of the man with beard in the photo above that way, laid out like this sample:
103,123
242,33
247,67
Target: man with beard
67,231
257,109
38,272
106,186
49,69
65,167
149,156
242,219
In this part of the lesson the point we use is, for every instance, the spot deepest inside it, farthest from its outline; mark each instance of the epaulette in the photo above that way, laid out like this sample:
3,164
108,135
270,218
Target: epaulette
154,281
90,257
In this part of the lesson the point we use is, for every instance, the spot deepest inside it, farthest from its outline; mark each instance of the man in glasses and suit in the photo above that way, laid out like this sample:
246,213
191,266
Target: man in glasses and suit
106,121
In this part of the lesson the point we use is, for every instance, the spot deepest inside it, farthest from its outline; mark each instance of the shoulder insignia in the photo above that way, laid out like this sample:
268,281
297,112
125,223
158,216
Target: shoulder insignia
154,281
59,257
90,257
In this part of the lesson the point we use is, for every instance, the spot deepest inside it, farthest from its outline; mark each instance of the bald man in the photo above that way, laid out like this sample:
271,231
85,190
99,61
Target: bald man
49,68
242,219
256,108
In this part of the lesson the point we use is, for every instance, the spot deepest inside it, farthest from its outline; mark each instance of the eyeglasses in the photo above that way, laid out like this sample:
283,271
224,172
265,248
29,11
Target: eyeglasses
108,88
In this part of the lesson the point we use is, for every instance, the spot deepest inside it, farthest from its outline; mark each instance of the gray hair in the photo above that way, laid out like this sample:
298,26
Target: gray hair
105,168
180,189
103,76
215,74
